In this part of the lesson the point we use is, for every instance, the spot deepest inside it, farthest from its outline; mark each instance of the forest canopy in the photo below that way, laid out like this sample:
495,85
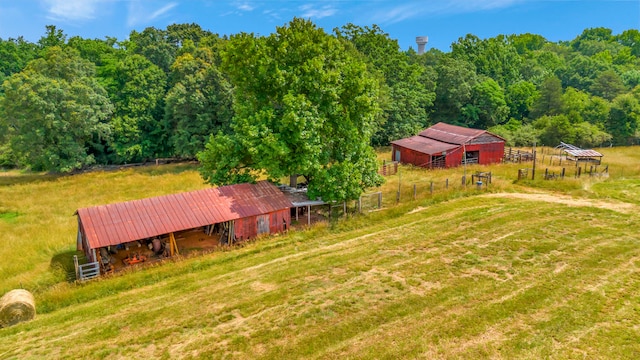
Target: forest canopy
302,100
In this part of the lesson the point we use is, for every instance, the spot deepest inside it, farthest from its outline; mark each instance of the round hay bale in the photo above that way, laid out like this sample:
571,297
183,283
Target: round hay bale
16,306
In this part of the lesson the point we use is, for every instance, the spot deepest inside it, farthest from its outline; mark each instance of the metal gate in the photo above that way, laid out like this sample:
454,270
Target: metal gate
86,271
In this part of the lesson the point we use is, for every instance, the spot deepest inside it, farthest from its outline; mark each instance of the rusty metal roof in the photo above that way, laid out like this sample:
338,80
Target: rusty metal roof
451,134
425,145
118,223
583,153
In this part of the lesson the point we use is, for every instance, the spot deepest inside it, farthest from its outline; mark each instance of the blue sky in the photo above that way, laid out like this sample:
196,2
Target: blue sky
443,21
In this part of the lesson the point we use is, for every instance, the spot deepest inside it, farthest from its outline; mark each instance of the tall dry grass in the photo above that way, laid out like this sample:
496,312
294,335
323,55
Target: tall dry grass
38,239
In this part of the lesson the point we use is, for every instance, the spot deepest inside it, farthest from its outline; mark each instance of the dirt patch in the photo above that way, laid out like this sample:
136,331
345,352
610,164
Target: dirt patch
618,206
262,287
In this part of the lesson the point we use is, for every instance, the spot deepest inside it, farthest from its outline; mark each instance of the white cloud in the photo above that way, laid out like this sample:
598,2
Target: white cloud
414,9
310,11
71,9
140,15
162,11
244,6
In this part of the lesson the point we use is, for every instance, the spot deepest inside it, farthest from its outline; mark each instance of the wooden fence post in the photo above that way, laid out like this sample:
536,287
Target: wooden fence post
414,191
75,263
431,188
446,183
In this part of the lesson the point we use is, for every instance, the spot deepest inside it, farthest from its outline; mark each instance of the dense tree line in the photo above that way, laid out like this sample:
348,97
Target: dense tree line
302,100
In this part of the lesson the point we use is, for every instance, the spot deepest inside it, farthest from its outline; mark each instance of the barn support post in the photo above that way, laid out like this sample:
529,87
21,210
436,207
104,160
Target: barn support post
533,171
464,158
297,211
309,214
173,247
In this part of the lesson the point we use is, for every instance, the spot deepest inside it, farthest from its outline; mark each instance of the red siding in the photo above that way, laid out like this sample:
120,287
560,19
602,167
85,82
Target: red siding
443,138
491,153
139,219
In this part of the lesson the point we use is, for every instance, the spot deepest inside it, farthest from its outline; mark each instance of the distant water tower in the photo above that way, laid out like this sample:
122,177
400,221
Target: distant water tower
421,41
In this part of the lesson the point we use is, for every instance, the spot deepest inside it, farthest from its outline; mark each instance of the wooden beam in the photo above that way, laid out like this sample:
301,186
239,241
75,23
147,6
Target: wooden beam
173,246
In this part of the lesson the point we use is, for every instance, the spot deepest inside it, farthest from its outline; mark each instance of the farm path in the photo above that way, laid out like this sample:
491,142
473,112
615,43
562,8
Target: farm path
618,206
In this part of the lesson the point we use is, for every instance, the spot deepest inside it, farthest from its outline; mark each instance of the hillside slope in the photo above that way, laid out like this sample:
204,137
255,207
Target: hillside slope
474,277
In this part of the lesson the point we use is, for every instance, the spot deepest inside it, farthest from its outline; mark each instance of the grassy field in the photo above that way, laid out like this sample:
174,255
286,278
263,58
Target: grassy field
529,269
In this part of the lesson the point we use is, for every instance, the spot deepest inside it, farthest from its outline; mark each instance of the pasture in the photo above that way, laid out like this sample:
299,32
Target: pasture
529,269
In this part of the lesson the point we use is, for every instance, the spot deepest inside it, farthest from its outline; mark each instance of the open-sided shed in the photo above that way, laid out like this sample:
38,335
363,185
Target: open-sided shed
244,210
444,145
579,155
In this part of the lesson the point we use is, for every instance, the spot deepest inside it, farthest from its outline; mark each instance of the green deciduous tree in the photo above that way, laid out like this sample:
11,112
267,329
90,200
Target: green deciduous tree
494,57
554,129
198,105
550,100
631,39
608,85
589,135
455,82
526,43
136,88
304,104
520,97
488,106
624,119
55,110
517,134
580,106
14,56
409,86
581,72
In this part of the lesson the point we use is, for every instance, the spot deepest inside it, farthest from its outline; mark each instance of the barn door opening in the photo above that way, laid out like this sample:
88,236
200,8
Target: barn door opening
397,157
472,157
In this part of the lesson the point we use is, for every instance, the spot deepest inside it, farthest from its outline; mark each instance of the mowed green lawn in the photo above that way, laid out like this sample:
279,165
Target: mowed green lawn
513,272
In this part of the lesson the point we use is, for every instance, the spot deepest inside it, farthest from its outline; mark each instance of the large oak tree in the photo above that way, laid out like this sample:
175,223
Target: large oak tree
304,104
54,110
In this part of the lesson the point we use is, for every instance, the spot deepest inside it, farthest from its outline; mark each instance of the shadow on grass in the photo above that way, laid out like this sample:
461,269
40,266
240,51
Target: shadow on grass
20,178
154,170
17,177
63,261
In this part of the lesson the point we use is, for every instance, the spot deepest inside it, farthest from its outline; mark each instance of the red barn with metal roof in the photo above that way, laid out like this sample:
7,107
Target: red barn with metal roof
443,145
251,209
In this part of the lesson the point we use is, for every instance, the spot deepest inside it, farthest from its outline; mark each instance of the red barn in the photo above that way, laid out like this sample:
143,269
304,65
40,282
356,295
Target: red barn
444,145
243,210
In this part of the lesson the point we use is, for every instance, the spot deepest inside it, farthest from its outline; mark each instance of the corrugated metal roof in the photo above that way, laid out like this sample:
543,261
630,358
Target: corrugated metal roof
425,145
451,134
118,223
583,153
